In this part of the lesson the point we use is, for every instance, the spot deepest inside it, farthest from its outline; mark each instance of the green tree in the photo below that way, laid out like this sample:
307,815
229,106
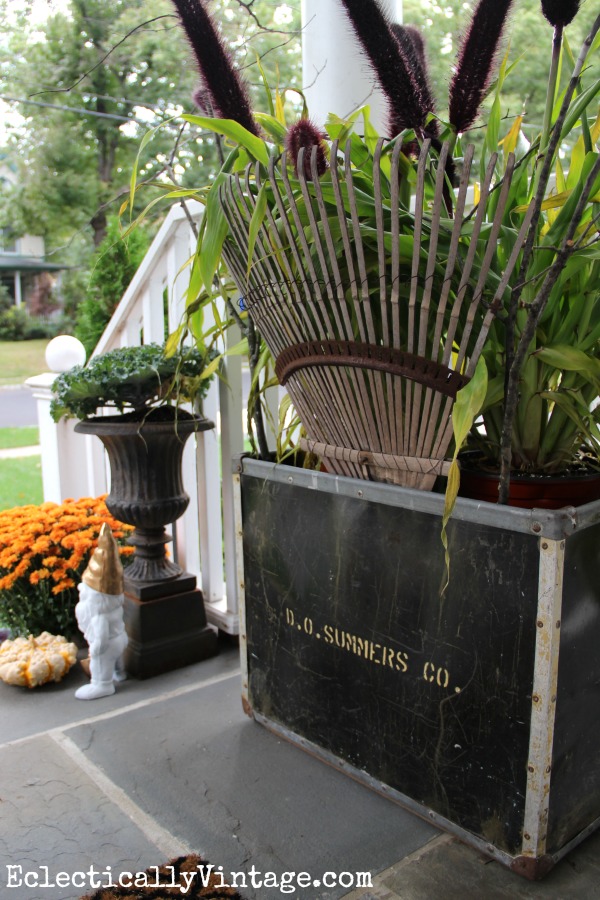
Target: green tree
114,265
108,71
529,39
96,79
105,71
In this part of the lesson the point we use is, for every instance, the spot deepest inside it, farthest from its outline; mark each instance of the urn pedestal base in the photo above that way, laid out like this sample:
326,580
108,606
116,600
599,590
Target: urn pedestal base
166,633
153,590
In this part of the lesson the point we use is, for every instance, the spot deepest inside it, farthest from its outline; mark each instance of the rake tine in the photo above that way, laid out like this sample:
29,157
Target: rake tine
487,260
470,258
432,414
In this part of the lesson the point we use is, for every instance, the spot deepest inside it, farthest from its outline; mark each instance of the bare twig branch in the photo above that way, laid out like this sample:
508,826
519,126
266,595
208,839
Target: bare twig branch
104,58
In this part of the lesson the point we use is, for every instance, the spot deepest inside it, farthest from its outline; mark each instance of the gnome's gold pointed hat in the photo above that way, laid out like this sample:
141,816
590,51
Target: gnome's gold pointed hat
105,572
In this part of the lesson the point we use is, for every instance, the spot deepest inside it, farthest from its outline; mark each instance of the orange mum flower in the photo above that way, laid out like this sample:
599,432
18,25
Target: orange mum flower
43,553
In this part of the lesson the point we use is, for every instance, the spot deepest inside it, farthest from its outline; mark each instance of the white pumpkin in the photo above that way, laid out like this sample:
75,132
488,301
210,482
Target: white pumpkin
32,661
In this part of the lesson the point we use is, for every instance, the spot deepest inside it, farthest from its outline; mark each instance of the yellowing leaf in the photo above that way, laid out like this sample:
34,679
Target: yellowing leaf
173,342
279,109
561,183
577,160
467,406
256,221
509,142
555,201
595,130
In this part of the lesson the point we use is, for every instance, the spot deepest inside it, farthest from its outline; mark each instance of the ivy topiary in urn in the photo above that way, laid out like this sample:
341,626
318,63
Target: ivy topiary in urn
144,442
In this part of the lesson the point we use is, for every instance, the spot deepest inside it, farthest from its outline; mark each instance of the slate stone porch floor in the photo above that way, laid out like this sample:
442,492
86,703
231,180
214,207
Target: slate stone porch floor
172,765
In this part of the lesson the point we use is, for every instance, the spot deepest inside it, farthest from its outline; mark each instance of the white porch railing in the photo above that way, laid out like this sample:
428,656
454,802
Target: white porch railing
75,465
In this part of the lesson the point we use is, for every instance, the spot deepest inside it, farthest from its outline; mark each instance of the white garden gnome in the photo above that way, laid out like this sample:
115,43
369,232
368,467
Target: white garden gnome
99,615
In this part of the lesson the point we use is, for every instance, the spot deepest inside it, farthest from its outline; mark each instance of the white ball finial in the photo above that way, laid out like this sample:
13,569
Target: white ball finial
64,352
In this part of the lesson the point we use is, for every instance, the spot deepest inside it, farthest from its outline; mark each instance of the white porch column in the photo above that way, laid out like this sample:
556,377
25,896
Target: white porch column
336,77
18,290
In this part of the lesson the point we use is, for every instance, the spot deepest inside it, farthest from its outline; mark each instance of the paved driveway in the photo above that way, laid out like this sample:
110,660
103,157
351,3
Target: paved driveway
17,407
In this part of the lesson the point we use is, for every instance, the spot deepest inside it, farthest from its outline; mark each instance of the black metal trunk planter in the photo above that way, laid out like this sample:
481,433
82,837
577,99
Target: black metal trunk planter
164,611
481,710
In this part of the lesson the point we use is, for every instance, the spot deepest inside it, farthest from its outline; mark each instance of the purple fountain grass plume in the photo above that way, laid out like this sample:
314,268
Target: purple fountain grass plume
417,39
227,92
303,135
475,62
201,98
409,101
560,12
412,46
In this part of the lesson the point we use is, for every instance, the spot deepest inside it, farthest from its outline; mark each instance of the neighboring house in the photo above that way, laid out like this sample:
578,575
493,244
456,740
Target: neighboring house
24,271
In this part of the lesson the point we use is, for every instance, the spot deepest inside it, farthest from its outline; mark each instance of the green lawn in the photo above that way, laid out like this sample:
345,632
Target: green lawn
19,437
20,481
22,359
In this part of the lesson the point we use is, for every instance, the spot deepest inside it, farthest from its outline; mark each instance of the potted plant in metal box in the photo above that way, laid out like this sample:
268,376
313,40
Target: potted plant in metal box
398,306
378,286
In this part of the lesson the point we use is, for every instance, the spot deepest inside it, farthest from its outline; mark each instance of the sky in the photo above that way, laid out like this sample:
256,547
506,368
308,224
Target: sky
40,10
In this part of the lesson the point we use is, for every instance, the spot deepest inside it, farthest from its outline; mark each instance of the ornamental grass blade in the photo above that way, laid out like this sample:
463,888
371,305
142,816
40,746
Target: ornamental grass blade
577,110
272,126
258,216
570,359
467,406
236,133
213,233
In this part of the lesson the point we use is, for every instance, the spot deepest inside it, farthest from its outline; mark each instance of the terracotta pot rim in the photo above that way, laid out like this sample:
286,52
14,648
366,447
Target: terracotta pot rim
574,488
472,462
534,478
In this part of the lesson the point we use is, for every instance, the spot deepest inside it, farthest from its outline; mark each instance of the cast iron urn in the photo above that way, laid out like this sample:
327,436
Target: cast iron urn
146,484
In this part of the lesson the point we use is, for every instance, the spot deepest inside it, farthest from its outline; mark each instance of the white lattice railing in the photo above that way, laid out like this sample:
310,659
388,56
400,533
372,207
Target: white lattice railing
74,465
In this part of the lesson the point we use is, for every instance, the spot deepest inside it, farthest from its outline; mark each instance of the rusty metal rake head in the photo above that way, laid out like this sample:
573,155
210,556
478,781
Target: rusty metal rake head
376,314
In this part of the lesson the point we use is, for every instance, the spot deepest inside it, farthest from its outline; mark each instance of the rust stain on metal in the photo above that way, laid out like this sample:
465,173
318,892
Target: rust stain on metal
532,868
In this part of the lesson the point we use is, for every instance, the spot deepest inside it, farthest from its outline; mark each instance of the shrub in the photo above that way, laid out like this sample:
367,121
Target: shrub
17,325
44,551
6,301
114,265
13,323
